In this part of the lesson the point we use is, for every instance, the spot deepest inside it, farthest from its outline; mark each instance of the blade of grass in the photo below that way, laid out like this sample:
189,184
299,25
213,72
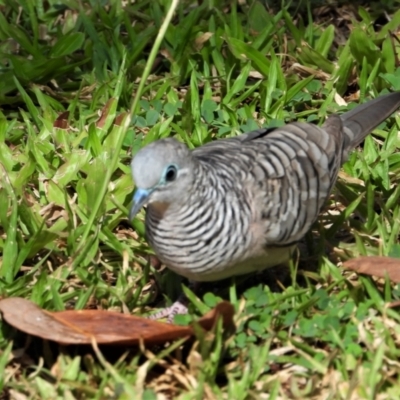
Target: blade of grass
126,121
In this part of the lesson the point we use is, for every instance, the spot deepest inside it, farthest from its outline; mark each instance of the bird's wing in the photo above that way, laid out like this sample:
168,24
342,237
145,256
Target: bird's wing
291,170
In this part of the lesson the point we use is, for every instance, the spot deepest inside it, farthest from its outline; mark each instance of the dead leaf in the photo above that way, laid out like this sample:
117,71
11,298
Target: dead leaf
307,71
119,119
52,212
340,100
376,266
256,75
105,327
393,304
62,121
200,40
104,113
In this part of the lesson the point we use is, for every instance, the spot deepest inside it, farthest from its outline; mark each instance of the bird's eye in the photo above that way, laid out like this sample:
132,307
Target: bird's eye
171,173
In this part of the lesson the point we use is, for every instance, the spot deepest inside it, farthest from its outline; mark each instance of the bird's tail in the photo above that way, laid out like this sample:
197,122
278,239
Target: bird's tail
361,120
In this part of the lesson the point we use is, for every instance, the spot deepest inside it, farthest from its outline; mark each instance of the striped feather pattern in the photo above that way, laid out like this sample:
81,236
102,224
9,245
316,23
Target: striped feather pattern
254,196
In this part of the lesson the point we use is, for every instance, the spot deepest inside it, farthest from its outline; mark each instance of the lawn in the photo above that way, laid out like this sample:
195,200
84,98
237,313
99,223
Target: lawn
84,86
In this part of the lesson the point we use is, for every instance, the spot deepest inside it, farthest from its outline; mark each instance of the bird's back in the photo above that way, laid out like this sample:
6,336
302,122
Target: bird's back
288,173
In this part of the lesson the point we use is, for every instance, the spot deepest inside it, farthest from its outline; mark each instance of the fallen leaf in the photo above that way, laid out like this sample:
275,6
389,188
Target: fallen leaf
104,113
376,266
339,100
105,327
307,71
393,304
62,121
200,40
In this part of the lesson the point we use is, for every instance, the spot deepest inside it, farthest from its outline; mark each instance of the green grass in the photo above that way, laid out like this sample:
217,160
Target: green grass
65,190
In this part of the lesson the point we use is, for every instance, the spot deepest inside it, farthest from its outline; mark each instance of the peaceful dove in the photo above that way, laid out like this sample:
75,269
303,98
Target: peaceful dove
238,205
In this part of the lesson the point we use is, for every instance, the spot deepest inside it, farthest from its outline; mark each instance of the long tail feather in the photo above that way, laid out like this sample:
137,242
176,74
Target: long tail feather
361,120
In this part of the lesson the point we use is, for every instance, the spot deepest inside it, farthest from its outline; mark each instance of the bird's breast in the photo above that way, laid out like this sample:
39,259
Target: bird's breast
209,244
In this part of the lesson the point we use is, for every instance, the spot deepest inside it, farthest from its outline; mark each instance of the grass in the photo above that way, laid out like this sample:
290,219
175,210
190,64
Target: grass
69,71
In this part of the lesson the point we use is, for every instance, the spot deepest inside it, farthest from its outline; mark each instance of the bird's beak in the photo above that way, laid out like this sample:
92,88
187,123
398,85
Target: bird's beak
140,198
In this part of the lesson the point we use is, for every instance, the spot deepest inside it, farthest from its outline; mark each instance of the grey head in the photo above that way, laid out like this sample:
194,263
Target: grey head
162,172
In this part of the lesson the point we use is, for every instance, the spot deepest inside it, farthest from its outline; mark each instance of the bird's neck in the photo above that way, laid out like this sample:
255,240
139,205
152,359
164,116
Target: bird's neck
159,209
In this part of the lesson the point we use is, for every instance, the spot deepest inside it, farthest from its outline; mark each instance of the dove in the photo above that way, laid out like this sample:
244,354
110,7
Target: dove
239,205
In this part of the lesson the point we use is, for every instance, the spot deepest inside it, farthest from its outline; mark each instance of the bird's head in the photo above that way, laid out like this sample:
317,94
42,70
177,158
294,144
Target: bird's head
162,172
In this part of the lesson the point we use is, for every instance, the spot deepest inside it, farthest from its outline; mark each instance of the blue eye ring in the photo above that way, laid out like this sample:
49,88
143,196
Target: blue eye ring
171,173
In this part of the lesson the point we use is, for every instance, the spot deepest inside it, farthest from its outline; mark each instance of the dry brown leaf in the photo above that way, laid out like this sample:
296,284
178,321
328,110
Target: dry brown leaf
376,266
393,304
62,121
119,119
307,71
200,40
105,327
104,113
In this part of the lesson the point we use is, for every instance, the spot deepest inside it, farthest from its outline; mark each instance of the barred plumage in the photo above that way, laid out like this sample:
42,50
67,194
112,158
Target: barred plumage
240,204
